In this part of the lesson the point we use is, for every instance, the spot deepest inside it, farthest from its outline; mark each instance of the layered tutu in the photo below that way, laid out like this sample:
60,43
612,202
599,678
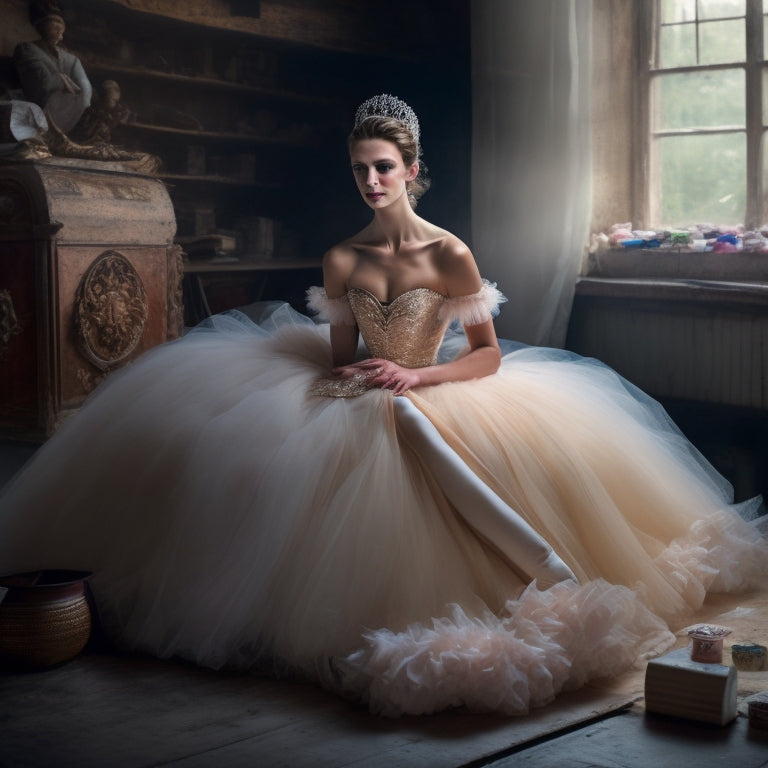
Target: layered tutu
557,526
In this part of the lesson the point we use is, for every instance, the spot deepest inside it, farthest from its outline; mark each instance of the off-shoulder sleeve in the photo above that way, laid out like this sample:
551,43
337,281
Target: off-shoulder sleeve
475,308
335,311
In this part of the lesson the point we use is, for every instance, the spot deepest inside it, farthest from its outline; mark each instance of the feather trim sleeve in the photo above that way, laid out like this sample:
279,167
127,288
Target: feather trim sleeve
335,311
475,308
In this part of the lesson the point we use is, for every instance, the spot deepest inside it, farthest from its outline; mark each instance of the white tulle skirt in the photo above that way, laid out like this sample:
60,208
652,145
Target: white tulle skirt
231,518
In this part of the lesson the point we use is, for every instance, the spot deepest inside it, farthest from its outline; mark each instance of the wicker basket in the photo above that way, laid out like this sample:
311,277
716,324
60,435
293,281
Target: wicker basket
45,617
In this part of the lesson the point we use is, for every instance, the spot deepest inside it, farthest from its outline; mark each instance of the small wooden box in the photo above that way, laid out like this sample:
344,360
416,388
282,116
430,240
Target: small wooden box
675,685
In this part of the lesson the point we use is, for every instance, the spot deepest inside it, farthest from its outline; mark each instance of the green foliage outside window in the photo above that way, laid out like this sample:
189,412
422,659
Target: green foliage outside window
699,117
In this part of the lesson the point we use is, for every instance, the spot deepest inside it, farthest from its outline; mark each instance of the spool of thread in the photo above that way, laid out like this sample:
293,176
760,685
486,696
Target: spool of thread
708,643
758,711
748,657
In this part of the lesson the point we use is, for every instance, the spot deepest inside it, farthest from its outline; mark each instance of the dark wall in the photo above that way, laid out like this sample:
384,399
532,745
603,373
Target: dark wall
438,87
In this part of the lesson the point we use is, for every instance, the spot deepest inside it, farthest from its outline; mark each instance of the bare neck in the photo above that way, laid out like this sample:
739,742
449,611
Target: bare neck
397,224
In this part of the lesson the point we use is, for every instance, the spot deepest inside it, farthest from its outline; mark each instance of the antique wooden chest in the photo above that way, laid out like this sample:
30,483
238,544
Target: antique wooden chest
89,280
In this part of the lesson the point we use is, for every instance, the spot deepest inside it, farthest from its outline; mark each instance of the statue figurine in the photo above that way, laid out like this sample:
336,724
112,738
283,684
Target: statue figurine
102,117
50,76
54,79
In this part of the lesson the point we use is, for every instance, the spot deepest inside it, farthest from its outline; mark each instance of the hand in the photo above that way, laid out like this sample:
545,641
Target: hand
382,373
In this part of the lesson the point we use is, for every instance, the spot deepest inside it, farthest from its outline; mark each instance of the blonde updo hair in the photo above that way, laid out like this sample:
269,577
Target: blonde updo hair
397,133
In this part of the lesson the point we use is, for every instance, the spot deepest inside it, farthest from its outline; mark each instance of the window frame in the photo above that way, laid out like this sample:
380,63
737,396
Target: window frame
645,181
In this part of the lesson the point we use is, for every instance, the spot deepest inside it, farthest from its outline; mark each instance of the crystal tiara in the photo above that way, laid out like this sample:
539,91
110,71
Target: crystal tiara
385,105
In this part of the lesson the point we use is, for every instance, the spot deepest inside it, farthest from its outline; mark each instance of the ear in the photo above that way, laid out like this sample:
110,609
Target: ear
413,172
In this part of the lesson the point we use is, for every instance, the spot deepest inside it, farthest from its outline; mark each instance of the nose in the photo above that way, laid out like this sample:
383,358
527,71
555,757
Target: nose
373,178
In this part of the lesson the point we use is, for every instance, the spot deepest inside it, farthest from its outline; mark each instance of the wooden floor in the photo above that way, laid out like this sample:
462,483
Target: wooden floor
105,709
123,712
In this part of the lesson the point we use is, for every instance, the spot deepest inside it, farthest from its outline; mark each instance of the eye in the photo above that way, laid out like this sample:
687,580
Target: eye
384,168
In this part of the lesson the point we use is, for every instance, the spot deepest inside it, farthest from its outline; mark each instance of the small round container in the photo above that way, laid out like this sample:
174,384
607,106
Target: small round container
45,617
758,711
708,643
748,657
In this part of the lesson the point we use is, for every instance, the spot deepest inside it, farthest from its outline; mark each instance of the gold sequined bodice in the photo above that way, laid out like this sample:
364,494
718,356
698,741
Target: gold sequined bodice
407,331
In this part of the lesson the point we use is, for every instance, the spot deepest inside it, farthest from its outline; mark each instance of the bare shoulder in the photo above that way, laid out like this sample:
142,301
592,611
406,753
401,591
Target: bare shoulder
453,251
340,254
457,266
338,264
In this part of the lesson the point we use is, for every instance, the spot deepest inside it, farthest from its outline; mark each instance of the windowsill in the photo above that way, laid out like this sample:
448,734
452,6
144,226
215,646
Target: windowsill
728,280
739,296
678,264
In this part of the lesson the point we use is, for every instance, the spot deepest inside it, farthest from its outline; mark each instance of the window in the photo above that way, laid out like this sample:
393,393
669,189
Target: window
706,79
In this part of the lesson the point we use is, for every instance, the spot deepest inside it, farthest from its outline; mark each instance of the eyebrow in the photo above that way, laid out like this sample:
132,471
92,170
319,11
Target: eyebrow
375,162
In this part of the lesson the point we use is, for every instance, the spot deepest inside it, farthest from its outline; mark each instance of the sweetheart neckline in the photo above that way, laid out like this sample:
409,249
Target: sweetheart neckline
387,304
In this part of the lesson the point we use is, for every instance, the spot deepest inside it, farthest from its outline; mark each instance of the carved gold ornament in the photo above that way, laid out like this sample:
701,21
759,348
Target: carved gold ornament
110,310
9,325
175,292
14,204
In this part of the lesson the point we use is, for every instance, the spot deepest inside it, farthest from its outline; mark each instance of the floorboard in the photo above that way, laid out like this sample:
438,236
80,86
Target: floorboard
636,740
126,711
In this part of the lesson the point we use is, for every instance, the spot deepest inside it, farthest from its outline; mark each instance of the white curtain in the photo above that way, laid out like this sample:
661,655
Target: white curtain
531,159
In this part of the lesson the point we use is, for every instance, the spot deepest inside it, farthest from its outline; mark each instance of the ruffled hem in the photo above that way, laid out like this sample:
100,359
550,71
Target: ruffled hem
724,554
546,642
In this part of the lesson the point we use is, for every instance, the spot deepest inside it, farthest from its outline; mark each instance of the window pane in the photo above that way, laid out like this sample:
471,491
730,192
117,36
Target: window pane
765,34
678,10
764,216
765,99
721,41
719,9
677,46
702,179
700,99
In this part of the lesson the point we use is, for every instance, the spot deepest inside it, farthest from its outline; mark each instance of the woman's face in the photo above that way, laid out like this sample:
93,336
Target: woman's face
380,173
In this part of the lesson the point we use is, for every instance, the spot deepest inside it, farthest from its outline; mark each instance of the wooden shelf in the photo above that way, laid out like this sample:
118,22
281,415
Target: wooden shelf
271,265
334,26
185,178
196,81
246,138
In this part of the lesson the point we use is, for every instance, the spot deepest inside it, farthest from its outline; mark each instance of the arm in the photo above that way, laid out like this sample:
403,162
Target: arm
337,266
461,276
77,73
38,80
481,359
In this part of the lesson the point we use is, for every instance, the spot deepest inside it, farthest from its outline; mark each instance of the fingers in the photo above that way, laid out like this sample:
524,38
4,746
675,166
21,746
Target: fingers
381,377
372,376
364,366
379,373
